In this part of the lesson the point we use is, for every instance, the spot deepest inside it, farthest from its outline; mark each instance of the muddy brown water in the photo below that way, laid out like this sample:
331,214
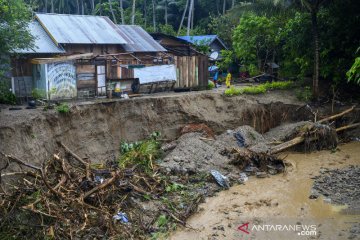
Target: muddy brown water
278,200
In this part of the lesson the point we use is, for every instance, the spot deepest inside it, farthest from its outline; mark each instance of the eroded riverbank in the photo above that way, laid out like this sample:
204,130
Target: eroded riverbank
281,199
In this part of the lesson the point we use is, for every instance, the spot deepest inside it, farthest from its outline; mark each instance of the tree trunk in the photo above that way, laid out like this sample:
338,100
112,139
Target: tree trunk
192,17
46,6
122,12
92,3
183,17
77,7
52,6
224,7
154,15
112,11
166,13
100,9
189,17
232,4
315,33
145,13
82,7
133,12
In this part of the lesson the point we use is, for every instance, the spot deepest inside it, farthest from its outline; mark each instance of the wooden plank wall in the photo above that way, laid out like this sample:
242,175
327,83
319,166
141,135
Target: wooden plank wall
192,71
86,76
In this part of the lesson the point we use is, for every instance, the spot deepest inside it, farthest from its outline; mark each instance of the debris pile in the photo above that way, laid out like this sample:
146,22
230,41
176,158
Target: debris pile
67,198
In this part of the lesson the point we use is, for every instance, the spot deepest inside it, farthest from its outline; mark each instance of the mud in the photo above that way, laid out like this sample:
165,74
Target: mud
281,199
339,186
95,129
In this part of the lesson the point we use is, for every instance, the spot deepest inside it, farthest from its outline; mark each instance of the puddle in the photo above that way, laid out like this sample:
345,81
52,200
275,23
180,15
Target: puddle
278,200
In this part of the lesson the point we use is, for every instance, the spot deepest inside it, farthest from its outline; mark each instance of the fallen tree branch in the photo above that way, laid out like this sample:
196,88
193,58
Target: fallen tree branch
300,139
336,115
18,161
86,164
354,125
101,186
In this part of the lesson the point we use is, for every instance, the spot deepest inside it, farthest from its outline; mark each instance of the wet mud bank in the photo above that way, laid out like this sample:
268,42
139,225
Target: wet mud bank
95,129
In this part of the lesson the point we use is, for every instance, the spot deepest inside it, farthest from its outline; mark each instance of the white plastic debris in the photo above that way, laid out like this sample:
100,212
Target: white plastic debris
220,179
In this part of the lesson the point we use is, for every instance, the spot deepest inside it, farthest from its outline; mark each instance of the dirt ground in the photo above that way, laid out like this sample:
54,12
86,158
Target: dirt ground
281,199
94,129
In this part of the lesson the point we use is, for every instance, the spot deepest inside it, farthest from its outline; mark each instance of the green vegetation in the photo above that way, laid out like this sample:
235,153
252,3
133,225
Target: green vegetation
354,73
6,96
258,89
14,18
174,187
37,93
63,108
304,94
142,153
210,85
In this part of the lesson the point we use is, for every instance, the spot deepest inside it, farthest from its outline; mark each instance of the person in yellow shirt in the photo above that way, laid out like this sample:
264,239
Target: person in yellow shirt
228,80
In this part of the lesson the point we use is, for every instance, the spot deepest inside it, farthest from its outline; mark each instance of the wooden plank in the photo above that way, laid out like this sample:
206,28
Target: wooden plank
85,68
60,59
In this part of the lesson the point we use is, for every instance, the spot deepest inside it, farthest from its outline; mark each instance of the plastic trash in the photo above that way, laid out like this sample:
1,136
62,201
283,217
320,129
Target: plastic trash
122,217
99,179
220,179
240,139
243,177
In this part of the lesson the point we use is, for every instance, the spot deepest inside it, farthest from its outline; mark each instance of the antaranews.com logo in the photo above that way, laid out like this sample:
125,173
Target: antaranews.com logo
299,229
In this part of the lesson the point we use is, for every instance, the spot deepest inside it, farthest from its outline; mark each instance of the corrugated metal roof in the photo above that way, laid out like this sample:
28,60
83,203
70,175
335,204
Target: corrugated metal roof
81,29
204,39
142,41
42,41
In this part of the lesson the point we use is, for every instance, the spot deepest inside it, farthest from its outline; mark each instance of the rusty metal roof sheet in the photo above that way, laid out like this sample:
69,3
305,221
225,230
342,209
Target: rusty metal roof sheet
142,41
42,41
80,29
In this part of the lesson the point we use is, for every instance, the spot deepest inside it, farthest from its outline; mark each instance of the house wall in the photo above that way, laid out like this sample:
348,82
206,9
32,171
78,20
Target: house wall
216,46
192,71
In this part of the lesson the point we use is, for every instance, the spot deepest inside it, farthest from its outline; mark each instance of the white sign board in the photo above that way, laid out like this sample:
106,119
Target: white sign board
155,74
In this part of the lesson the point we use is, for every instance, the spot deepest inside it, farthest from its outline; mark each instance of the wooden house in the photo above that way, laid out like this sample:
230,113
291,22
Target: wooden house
191,65
76,55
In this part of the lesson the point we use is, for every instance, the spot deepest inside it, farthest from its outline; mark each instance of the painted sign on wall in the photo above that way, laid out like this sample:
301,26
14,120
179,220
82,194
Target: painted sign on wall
61,78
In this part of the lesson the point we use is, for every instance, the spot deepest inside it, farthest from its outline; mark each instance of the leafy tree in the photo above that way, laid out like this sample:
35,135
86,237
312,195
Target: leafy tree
14,18
354,73
228,58
255,39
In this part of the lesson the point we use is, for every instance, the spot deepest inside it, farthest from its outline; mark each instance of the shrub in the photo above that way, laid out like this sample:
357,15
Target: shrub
142,153
6,96
262,88
255,89
210,85
279,85
232,91
37,93
63,108
304,94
